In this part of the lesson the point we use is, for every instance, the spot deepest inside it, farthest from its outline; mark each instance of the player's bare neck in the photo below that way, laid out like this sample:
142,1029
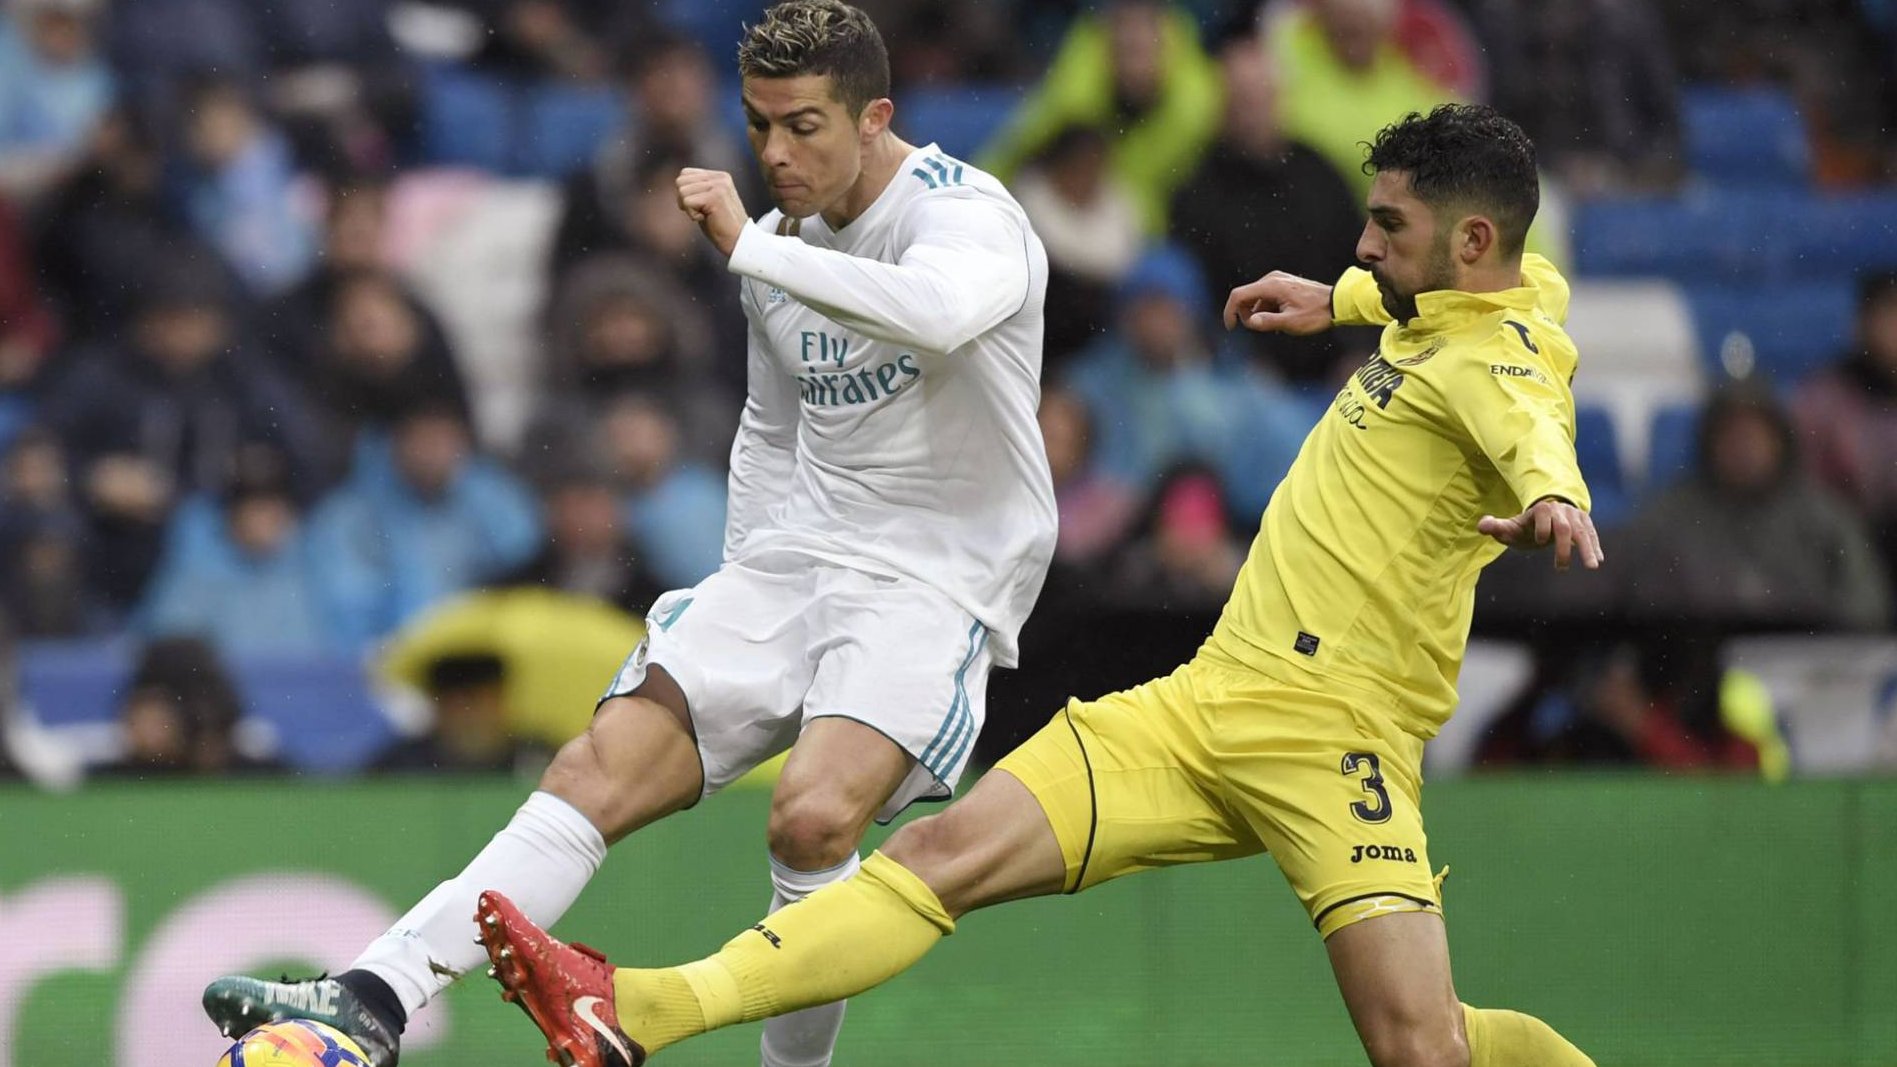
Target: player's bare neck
880,162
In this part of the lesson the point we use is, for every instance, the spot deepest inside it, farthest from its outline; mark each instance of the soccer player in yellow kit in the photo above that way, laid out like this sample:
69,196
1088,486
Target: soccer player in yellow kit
1299,727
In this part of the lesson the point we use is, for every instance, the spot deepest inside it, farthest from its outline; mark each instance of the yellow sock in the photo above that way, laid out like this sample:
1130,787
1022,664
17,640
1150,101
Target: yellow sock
1510,1039
843,939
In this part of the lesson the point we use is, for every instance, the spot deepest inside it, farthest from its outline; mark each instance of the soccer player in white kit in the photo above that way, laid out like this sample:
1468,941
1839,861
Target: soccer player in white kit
891,521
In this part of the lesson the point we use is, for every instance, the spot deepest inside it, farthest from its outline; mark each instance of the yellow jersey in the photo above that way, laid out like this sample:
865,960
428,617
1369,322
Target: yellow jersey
1362,577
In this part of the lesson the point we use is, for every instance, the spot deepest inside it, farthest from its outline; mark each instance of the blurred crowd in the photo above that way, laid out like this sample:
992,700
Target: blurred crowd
233,423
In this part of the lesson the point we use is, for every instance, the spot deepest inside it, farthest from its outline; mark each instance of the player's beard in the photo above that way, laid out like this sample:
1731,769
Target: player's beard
1440,273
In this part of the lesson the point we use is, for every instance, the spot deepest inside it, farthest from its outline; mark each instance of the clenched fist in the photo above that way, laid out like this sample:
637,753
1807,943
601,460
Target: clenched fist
710,197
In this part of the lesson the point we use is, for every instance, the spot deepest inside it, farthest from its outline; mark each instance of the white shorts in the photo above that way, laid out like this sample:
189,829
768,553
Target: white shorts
764,646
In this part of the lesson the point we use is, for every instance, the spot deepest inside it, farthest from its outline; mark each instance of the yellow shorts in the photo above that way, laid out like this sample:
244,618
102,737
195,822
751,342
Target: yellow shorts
1216,762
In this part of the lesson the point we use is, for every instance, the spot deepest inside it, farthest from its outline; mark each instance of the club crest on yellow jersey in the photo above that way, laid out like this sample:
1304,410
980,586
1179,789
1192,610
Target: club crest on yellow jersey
1428,353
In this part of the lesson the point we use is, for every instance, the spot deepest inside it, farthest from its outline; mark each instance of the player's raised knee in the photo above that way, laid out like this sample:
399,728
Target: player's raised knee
928,843
813,830
950,854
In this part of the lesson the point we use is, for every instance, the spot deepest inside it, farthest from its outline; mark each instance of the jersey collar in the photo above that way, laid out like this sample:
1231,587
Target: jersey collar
877,207
1446,308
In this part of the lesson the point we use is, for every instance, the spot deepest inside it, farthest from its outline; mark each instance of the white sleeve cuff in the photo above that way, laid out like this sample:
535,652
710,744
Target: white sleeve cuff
757,253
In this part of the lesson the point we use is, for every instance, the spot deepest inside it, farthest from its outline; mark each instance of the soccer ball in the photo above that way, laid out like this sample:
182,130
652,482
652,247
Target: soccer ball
294,1043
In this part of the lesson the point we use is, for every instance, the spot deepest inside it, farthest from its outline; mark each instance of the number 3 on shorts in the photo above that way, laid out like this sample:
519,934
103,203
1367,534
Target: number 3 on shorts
1373,785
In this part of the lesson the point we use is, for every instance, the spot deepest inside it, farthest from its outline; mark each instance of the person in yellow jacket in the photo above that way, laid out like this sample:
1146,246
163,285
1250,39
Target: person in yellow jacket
558,650
555,646
1138,74
1298,729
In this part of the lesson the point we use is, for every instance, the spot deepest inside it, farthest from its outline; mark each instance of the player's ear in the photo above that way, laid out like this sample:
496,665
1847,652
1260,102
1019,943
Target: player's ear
1474,236
875,118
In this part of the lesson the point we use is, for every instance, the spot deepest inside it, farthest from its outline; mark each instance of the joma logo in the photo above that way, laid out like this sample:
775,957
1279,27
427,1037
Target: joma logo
1359,853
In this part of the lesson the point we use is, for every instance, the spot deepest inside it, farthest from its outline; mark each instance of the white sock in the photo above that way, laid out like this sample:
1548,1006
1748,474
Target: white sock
541,861
803,1038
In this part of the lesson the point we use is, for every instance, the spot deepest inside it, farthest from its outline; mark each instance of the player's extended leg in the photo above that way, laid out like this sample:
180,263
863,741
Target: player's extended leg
840,772
1394,974
995,844
636,763
1106,788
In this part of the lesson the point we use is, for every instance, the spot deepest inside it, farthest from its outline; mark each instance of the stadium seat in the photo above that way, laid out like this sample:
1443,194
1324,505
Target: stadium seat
1836,697
1839,237
1638,353
479,262
565,126
468,119
69,682
532,130
1794,328
1746,138
717,24
1673,445
320,708
325,715
16,414
1706,234
960,118
1597,449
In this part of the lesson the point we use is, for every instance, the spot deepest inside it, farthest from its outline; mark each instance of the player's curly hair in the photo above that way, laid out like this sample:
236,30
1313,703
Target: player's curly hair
800,37
1468,155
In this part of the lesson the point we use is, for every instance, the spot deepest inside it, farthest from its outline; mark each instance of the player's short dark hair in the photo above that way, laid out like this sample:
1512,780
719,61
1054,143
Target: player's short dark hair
799,37
1465,155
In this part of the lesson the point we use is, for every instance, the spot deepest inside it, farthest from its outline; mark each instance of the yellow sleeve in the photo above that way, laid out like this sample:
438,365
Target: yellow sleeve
1550,286
1355,300
1522,418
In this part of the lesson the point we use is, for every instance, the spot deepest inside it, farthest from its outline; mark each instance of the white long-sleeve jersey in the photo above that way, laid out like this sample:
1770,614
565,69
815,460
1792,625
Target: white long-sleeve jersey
894,378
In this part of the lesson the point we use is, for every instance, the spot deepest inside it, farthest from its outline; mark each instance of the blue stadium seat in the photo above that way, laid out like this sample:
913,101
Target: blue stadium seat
16,414
1598,451
70,682
325,716
960,118
468,119
730,97
718,24
1753,138
565,125
1795,328
1839,237
1672,445
1721,235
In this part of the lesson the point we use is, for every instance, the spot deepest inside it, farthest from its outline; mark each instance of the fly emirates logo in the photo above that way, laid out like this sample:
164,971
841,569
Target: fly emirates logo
824,382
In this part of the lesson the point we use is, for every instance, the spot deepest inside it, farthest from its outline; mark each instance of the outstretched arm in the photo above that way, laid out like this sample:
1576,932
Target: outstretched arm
1525,426
1286,303
1280,303
966,270
1550,521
